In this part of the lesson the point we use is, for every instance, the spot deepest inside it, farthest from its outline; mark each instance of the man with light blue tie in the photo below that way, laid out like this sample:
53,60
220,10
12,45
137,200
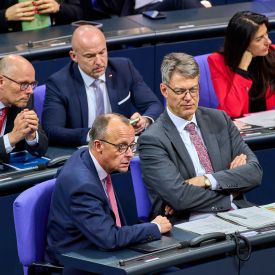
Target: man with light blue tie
91,85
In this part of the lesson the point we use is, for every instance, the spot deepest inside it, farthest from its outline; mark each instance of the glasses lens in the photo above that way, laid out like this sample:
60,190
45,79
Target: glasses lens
133,147
24,86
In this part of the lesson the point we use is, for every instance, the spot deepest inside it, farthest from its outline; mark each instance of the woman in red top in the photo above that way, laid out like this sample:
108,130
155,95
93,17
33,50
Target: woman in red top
243,72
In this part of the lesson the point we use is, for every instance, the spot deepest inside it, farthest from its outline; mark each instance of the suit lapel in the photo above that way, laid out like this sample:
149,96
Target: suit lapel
111,84
175,138
90,164
210,139
81,95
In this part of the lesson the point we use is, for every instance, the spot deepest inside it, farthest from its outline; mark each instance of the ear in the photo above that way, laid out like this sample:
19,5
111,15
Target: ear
73,56
163,89
97,146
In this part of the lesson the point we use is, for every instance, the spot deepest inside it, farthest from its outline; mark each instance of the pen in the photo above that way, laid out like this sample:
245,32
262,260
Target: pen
134,121
237,216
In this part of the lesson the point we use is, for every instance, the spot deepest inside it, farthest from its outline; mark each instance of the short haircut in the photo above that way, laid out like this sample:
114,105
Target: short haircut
180,63
100,125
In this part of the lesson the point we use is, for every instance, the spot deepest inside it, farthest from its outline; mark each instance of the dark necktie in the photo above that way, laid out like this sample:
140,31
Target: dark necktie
99,98
200,148
3,115
112,199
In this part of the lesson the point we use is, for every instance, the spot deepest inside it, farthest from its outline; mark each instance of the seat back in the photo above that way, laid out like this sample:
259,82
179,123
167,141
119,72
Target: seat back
31,210
39,96
143,202
208,96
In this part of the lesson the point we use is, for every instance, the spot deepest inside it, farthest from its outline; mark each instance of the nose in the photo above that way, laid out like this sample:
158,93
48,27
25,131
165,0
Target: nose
29,90
187,95
129,152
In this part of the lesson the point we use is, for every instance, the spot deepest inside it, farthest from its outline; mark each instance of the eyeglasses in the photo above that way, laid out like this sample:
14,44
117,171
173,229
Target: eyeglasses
23,85
192,91
122,148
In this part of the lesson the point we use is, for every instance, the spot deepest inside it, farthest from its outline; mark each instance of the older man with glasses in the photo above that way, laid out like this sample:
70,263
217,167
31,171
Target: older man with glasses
193,159
84,211
19,124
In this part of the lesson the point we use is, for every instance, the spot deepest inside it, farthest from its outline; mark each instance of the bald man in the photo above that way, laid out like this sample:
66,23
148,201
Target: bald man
19,124
73,100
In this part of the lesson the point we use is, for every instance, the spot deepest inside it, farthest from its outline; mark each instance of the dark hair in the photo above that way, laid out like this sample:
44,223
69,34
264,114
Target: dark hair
240,30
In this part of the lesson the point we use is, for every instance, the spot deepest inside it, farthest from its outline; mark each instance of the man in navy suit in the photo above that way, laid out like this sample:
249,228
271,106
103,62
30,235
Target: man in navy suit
81,211
70,103
19,124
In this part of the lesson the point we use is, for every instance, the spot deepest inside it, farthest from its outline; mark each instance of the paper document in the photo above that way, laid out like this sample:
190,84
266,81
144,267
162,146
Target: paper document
211,224
263,119
251,217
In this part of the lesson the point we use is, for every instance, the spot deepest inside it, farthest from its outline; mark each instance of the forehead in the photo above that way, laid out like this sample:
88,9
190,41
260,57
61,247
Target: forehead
261,31
182,82
119,132
91,43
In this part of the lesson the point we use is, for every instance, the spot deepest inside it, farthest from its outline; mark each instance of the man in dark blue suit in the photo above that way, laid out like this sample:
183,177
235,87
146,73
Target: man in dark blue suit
70,105
82,212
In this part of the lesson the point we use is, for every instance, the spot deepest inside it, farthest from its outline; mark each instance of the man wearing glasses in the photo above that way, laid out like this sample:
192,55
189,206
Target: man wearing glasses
193,159
84,210
19,125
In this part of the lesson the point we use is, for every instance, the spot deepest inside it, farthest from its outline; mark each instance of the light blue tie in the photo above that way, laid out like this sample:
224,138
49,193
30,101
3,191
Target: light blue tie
99,98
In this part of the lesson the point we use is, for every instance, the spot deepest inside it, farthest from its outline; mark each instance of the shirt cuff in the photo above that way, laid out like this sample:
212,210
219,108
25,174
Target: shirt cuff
34,141
158,226
214,184
7,144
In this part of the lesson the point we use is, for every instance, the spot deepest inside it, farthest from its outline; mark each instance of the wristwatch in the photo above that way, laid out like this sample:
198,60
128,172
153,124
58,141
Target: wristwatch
207,183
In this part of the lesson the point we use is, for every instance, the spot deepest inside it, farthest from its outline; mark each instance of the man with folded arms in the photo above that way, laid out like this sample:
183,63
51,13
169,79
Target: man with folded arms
193,159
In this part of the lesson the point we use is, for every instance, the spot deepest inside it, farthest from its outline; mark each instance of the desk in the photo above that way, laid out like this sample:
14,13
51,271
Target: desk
132,32
211,259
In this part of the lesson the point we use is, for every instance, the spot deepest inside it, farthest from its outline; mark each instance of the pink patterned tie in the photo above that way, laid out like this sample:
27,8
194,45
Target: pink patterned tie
112,199
200,148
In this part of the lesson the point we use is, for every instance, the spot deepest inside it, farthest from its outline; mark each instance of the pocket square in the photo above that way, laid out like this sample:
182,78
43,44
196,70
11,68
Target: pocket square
124,99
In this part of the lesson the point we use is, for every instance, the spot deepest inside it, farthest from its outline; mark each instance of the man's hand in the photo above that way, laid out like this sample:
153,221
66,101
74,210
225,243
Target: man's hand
168,211
142,123
197,181
25,126
163,222
23,11
238,161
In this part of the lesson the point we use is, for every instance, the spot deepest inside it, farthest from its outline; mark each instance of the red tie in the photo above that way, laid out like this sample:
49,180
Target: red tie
112,199
3,115
200,148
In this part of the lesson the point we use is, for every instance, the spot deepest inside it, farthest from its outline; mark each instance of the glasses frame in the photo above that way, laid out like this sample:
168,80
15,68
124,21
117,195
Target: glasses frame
122,148
23,85
185,91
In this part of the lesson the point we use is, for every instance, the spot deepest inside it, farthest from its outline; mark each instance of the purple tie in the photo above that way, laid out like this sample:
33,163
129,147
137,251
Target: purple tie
200,148
99,98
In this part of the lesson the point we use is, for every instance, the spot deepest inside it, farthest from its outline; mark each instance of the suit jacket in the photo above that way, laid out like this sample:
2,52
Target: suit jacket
65,111
38,150
232,89
166,164
80,213
70,10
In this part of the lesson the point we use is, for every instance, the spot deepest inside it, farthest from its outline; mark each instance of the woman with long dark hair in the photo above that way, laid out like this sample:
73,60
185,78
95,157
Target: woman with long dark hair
243,72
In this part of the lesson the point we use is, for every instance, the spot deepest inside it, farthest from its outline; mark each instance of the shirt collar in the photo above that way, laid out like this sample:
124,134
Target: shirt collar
179,122
88,80
100,171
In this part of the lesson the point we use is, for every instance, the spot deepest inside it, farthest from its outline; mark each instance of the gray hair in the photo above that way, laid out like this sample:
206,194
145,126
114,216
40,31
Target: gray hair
180,63
100,125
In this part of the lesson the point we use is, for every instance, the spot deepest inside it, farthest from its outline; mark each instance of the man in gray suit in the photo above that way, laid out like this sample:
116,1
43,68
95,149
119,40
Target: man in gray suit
182,180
